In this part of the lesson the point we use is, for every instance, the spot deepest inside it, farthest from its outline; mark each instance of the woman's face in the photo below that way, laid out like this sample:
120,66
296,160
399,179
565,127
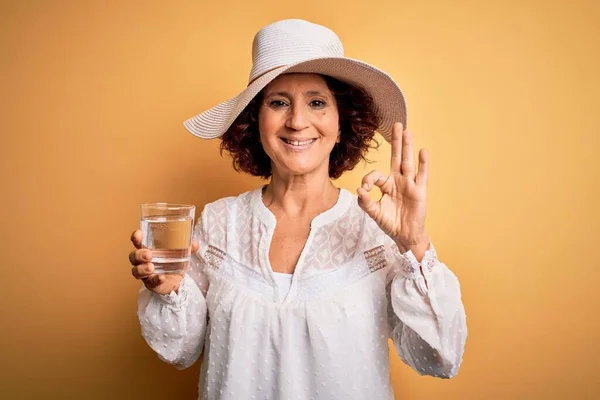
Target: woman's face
298,124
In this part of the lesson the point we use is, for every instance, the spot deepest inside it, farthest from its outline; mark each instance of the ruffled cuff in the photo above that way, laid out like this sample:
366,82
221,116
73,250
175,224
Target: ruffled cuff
174,299
410,268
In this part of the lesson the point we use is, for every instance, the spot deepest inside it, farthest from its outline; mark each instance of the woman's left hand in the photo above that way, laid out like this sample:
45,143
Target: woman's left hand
401,211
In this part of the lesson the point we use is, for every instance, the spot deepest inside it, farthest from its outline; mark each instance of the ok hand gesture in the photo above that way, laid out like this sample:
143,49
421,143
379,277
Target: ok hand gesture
401,210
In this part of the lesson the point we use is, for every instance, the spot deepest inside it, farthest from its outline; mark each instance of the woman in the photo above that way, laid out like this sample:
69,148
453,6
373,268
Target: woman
296,286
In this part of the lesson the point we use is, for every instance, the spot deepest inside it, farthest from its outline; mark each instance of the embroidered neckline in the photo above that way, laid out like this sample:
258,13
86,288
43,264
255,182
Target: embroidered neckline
266,216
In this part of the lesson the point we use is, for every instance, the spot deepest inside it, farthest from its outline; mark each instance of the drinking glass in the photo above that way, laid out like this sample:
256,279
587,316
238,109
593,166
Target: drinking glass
167,230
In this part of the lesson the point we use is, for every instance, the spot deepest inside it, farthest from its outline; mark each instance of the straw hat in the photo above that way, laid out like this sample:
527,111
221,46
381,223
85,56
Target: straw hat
298,46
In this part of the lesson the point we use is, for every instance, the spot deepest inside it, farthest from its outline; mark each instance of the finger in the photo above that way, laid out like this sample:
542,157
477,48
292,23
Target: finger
142,271
408,162
136,238
422,176
396,148
366,203
195,246
154,281
140,256
369,179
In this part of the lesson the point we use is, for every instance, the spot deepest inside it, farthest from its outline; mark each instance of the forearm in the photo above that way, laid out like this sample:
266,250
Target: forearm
430,326
174,325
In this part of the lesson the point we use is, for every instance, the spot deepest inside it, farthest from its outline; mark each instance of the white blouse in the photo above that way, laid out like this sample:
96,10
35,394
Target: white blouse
321,333
284,283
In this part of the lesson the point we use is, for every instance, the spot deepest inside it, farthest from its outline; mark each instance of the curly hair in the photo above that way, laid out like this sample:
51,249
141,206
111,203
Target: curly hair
357,119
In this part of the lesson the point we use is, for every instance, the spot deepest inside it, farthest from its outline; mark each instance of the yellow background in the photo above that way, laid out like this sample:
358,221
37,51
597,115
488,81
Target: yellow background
504,95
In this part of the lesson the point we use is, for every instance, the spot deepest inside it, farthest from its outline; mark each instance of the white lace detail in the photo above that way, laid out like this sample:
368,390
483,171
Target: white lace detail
430,260
246,233
408,266
233,271
376,258
231,225
338,243
317,285
308,287
214,257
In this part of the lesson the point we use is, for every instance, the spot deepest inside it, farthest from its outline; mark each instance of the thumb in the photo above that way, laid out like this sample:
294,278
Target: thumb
195,246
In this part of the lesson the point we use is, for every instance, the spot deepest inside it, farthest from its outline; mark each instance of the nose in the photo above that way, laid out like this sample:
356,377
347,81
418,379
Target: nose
297,118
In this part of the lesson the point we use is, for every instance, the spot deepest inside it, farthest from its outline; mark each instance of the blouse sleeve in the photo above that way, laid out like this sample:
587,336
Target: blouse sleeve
425,313
174,325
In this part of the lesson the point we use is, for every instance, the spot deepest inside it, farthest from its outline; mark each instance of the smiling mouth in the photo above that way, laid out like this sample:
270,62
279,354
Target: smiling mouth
298,143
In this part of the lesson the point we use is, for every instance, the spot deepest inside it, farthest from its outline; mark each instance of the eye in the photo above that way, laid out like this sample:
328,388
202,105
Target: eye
317,104
277,103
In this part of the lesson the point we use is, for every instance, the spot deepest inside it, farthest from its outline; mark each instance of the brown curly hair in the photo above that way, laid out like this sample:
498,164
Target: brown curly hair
358,123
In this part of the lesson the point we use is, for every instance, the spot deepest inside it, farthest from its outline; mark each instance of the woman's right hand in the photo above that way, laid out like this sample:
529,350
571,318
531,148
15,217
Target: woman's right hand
143,269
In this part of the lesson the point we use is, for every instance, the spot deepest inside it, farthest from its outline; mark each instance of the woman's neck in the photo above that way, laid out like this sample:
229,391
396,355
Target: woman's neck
298,196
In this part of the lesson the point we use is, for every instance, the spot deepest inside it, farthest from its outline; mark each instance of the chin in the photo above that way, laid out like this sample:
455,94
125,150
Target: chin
299,171
296,169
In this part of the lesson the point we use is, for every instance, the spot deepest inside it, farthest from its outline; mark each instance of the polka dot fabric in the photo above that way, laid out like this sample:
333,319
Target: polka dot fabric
328,337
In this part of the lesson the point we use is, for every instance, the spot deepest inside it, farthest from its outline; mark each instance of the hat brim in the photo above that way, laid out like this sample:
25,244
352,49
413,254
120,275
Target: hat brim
388,98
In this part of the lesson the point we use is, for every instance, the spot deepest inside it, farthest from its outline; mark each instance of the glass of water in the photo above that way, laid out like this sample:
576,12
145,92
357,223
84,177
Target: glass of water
167,230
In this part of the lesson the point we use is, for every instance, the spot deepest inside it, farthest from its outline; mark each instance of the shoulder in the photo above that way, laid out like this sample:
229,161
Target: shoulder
219,221
354,212
229,204
371,234
219,216
355,224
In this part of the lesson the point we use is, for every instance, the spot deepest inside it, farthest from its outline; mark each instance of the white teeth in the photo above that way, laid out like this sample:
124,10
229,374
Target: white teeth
298,143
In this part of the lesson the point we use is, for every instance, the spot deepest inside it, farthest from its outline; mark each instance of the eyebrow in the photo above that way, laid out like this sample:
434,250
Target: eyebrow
307,93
